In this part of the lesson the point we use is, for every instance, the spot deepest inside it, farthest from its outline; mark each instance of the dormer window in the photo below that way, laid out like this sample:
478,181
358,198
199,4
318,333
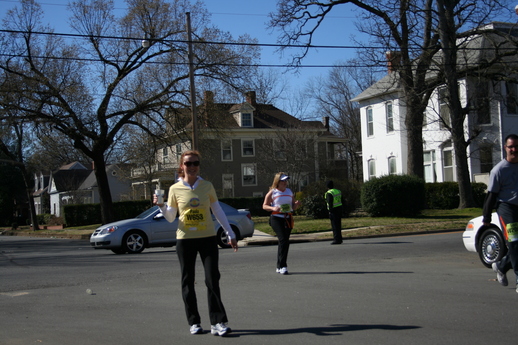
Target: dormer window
243,114
246,120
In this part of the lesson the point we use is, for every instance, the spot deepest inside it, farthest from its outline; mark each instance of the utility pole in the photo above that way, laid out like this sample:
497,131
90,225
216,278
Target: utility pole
194,143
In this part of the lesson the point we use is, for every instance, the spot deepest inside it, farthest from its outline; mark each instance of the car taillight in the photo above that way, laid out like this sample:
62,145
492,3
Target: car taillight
249,216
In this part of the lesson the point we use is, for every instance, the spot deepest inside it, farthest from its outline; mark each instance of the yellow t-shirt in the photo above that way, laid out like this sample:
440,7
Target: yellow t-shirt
195,219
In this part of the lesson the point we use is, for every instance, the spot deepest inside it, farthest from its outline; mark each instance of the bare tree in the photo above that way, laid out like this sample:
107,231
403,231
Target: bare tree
333,94
92,85
412,29
53,150
140,151
447,32
291,151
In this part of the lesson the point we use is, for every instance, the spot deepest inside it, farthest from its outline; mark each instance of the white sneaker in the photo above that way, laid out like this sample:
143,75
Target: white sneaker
283,270
196,329
501,277
220,329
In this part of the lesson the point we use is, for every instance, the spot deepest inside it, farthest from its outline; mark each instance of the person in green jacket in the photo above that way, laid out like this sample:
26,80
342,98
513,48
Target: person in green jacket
333,199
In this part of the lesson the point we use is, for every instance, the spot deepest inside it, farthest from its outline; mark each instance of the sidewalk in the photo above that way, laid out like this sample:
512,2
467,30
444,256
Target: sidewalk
262,239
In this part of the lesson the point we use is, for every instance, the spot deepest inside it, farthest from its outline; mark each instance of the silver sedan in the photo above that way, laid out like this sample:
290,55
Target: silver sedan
151,229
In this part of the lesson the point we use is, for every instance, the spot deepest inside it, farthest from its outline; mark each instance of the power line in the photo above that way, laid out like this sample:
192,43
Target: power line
212,13
171,41
181,63
277,45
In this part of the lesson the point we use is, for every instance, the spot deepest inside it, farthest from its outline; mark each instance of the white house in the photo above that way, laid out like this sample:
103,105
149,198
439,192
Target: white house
494,116
40,193
76,184
63,184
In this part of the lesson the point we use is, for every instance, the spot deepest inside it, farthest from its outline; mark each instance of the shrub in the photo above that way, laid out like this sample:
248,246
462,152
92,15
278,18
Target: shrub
313,203
393,196
313,206
445,195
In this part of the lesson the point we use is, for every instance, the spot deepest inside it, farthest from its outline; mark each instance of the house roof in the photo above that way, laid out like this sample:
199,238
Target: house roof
265,116
66,180
387,85
72,166
91,181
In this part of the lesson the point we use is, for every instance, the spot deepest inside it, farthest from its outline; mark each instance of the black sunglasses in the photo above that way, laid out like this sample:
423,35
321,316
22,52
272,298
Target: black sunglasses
189,164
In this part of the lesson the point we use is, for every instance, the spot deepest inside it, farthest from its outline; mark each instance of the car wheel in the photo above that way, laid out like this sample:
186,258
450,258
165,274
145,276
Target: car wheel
133,242
491,247
222,237
119,251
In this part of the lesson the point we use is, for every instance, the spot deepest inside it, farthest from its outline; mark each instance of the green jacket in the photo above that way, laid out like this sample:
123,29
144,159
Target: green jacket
337,197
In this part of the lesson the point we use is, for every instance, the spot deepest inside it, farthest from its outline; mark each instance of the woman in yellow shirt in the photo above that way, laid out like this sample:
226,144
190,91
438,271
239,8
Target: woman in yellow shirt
193,198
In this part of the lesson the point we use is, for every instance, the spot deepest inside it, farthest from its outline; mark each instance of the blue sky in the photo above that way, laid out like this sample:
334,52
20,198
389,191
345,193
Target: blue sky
250,17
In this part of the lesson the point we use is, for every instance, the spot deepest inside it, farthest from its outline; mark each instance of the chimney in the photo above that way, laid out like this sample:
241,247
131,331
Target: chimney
250,98
325,121
208,97
393,60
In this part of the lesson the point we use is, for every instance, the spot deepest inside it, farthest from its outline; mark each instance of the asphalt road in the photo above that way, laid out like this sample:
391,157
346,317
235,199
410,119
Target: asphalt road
402,290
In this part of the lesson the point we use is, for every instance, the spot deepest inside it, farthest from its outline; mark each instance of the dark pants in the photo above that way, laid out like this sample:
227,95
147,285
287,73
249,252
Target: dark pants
335,215
283,232
508,214
187,251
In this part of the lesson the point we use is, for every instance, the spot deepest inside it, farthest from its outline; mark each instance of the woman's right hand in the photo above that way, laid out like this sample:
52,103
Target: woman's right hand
155,199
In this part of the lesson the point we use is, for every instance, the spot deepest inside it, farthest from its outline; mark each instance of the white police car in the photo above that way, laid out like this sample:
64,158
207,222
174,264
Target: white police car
487,241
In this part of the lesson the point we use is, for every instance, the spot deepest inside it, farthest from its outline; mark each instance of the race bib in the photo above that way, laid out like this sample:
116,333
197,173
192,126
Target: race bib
512,232
195,220
285,208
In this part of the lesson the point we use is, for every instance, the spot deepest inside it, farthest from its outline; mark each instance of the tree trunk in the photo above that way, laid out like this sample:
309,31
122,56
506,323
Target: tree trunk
447,32
414,133
30,198
105,197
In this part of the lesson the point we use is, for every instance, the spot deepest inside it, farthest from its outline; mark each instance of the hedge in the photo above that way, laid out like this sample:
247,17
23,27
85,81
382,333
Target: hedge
393,196
77,215
445,195
313,203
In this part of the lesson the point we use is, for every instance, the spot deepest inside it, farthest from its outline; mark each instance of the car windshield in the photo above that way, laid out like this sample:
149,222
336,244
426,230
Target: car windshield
146,213
226,208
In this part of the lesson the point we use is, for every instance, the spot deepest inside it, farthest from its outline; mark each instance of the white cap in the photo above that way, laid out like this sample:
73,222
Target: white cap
284,177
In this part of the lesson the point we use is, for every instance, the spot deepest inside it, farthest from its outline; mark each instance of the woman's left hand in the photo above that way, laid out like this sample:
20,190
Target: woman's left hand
233,243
